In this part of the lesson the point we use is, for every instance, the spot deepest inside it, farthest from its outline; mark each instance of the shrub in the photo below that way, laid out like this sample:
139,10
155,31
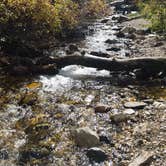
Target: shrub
23,22
155,10
95,8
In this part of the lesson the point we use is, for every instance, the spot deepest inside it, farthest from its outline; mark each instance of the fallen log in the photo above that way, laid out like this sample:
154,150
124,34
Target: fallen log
151,64
147,65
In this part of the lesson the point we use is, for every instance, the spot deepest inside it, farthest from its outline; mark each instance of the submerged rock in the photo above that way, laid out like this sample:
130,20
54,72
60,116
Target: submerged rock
85,137
144,158
136,105
97,155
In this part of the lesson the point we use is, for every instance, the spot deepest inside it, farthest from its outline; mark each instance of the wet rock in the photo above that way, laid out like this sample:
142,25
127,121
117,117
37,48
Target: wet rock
85,137
111,41
116,28
143,31
120,35
118,118
47,69
138,142
105,20
117,3
115,49
145,158
129,111
33,152
72,48
148,101
135,105
102,108
100,54
104,138
130,36
120,18
97,155
128,30
4,154
158,44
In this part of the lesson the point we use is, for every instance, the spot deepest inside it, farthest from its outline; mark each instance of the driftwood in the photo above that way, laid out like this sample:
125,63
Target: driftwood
150,64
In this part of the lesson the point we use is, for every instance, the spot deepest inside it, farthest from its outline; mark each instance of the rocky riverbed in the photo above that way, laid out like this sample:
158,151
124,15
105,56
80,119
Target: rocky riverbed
84,116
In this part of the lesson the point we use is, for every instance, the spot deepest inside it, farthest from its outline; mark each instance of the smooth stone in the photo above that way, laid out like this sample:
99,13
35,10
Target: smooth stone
97,155
102,109
129,111
118,118
145,158
85,137
136,105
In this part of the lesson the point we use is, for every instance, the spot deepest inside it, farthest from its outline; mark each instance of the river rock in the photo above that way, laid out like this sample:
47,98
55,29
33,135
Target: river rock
72,48
115,49
85,137
128,30
111,41
97,155
135,105
117,3
144,158
100,108
121,117
120,34
129,111
105,20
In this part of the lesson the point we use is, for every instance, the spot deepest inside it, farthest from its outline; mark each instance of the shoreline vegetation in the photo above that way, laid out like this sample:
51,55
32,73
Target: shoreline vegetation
26,23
